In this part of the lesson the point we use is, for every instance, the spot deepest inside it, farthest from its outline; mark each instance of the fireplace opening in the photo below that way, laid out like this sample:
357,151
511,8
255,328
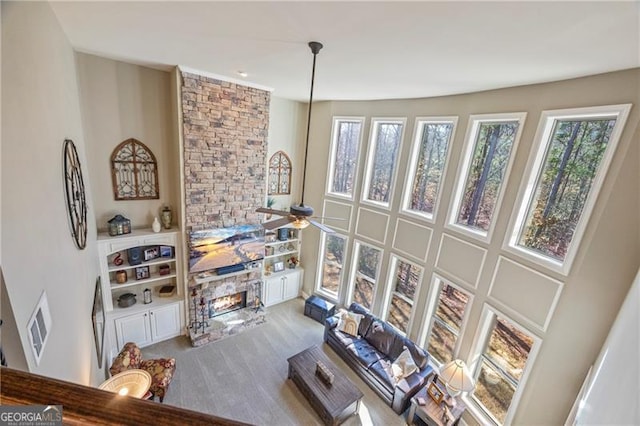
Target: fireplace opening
224,304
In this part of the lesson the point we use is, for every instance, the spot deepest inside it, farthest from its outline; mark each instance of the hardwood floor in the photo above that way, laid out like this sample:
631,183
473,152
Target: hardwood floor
244,377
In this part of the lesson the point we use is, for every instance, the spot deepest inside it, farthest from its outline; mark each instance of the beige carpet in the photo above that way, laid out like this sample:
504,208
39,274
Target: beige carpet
244,377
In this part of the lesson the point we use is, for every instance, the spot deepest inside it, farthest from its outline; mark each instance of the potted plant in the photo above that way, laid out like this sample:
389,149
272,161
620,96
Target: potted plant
270,203
293,262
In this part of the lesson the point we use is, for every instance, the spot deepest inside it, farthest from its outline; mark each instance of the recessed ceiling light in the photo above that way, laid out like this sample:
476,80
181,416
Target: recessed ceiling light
242,74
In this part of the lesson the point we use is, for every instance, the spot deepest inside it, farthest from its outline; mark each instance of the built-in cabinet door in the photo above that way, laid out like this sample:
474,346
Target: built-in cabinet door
292,285
165,322
133,328
272,290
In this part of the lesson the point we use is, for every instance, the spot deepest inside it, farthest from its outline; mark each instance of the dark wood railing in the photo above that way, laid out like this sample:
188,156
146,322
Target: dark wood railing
83,405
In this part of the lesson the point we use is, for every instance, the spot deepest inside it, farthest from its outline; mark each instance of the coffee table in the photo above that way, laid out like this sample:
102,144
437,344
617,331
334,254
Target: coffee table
334,403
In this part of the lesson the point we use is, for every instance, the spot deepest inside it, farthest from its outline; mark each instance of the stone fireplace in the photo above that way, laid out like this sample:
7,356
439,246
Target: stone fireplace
224,129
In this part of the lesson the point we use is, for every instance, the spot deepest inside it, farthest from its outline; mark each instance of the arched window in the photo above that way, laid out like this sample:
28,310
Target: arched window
134,172
279,174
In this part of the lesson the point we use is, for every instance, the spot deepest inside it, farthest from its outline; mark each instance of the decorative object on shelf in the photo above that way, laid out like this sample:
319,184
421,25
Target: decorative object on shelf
323,372
151,253
278,266
134,254
164,269
155,226
292,233
75,194
117,259
293,262
147,296
142,272
283,234
166,251
267,269
300,216
166,217
134,172
121,276
268,251
270,203
290,247
119,225
279,174
98,316
126,300
457,379
167,291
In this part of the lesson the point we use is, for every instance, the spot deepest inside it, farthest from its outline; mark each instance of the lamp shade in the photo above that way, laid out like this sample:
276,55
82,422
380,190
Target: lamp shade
132,382
456,376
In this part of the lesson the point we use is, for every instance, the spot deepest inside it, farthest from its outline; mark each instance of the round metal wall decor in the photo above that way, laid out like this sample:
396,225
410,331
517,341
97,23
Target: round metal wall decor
75,195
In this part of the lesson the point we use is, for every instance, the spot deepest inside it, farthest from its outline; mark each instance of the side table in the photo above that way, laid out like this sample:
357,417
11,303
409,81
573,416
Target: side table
431,413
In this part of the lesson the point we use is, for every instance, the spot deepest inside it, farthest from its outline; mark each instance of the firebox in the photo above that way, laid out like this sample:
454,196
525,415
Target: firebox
228,303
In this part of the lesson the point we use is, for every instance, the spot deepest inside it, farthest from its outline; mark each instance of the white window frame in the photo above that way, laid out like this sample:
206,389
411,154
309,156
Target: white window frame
357,244
418,129
320,269
465,163
533,170
373,136
332,155
433,298
481,340
389,291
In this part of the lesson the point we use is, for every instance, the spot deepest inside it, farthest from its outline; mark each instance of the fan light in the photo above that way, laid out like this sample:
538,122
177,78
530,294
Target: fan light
300,223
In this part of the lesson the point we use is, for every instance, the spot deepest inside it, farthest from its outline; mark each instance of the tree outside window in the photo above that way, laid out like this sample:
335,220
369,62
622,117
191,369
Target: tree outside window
428,162
367,261
405,281
333,249
381,165
572,153
446,321
344,156
499,371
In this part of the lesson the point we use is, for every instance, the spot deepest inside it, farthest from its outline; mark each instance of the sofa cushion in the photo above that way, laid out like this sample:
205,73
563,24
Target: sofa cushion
382,370
403,365
419,355
345,339
384,338
364,352
350,323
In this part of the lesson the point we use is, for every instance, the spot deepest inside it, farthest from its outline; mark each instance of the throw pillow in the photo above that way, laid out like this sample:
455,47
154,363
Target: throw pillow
349,323
403,366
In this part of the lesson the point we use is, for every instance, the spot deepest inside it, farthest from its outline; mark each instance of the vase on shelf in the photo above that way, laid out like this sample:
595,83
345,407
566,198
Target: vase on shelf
166,217
155,225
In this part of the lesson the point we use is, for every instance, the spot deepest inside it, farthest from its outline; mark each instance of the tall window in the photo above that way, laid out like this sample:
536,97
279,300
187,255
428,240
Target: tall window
404,285
279,174
449,311
365,276
343,165
491,141
574,150
428,160
384,149
330,275
505,356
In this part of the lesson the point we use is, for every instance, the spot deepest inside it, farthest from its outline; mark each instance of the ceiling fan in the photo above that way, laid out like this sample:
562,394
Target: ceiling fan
299,216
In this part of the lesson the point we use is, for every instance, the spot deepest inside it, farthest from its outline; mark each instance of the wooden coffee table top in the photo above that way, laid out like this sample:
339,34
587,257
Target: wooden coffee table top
335,397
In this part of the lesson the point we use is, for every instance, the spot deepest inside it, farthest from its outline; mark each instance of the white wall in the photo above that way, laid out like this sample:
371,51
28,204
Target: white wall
287,121
122,101
588,298
40,108
611,395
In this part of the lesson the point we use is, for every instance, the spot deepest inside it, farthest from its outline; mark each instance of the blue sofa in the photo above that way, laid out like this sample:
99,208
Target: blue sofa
372,352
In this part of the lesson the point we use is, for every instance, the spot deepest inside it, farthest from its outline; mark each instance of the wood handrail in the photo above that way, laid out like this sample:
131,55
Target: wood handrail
83,405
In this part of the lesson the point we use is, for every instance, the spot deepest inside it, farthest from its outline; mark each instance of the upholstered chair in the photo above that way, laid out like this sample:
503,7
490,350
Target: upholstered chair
161,370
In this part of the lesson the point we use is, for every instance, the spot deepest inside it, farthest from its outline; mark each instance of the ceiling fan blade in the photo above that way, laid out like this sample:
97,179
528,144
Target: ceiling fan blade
278,223
272,211
322,227
328,218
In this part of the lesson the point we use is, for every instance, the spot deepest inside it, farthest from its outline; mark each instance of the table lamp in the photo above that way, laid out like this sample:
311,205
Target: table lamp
457,379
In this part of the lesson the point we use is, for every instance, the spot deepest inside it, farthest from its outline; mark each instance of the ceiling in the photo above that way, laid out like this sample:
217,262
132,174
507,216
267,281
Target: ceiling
372,50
